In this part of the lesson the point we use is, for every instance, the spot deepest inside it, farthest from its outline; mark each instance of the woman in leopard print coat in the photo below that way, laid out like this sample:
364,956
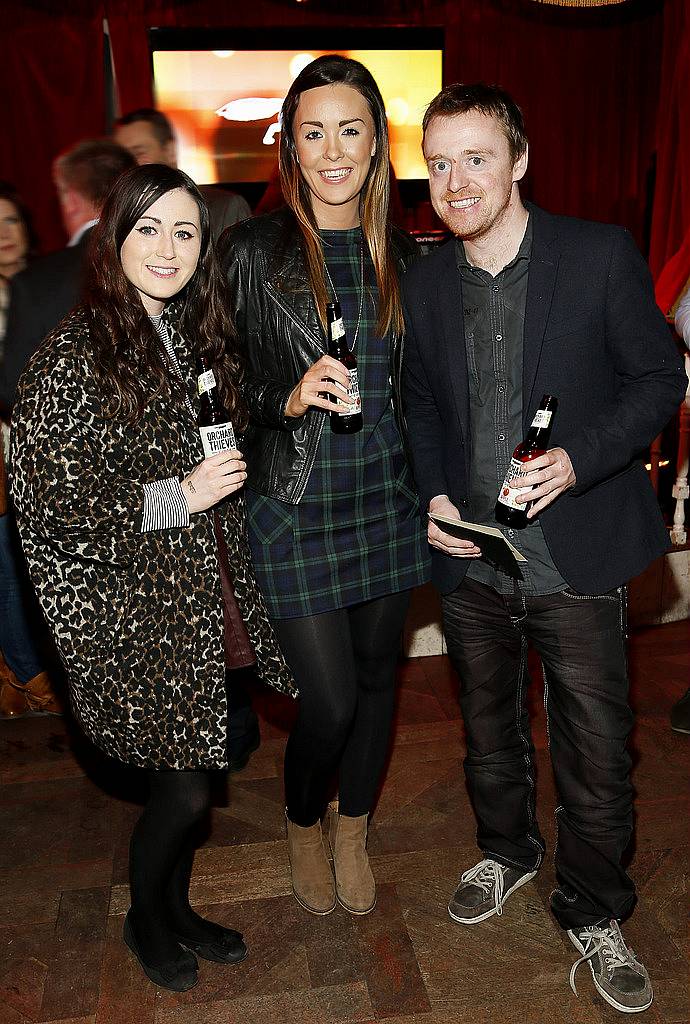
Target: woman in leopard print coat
116,512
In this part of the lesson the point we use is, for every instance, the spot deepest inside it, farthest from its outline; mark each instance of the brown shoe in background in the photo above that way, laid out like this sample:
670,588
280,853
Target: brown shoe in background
13,702
312,878
41,697
354,880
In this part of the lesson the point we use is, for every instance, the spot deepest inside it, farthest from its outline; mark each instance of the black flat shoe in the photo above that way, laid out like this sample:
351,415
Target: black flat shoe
243,738
226,947
179,976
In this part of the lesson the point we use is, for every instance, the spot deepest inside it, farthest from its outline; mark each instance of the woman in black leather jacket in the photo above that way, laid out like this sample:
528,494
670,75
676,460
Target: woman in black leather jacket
334,521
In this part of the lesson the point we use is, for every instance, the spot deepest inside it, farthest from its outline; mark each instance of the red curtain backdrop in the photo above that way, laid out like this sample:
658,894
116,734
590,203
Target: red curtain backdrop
51,94
588,81
669,255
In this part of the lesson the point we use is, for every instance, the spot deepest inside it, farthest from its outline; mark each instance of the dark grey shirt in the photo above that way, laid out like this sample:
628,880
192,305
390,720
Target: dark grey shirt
494,319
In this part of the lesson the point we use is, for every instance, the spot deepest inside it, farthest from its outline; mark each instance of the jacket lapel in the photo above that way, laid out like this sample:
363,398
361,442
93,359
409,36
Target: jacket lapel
543,270
451,312
287,287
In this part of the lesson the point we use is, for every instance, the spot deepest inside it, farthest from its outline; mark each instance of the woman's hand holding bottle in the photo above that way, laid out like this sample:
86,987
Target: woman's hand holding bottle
214,479
327,376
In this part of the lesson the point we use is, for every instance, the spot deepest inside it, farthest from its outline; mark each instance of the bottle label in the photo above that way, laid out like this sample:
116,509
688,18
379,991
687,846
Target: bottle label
351,403
206,382
508,494
218,438
337,329
542,418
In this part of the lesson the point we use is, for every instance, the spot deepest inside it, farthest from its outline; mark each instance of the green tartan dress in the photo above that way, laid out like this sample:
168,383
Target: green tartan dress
356,533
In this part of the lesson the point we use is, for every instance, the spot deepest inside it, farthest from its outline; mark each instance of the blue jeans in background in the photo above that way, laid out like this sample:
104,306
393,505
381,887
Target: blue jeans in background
20,622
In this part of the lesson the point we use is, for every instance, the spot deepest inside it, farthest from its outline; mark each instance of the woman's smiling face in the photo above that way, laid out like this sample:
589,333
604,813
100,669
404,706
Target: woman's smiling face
161,252
334,138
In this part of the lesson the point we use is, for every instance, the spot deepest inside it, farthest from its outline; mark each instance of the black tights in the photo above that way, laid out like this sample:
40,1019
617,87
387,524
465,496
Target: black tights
161,855
344,665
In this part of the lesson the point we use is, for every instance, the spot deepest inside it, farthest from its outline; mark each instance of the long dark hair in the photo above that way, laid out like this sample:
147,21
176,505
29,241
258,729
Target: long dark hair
129,360
332,69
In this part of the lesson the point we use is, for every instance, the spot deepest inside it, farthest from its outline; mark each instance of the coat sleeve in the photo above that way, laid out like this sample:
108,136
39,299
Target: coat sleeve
266,396
423,425
60,485
649,370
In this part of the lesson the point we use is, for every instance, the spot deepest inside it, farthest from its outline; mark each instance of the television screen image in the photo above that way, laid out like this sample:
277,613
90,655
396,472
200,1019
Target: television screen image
224,104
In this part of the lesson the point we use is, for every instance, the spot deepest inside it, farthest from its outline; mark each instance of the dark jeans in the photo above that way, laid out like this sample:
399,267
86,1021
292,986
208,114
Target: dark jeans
581,642
19,616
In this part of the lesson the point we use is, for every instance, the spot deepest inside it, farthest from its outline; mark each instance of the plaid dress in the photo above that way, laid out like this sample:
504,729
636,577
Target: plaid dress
357,533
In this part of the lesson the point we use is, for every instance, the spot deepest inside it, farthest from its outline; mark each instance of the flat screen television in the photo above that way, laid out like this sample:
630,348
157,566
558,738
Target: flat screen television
222,91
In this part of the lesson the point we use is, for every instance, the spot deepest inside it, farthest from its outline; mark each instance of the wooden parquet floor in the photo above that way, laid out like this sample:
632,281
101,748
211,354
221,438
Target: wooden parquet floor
65,818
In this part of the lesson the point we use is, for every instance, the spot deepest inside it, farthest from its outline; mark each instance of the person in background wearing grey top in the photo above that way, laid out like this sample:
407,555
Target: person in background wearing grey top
680,712
137,545
683,317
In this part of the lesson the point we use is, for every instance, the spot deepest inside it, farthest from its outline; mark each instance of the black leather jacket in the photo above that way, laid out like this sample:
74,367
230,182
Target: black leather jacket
279,326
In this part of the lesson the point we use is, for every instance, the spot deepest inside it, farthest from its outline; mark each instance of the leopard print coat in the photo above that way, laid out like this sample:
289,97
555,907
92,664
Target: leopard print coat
137,617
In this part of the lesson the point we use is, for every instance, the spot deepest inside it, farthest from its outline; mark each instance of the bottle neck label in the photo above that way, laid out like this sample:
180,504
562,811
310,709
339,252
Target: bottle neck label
542,419
218,438
337,329
206,382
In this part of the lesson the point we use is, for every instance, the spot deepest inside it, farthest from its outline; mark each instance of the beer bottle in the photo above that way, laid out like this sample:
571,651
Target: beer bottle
508,511
349,421
215,428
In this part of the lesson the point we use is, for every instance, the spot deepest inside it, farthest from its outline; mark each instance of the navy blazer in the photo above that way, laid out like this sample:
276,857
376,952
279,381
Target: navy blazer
593,337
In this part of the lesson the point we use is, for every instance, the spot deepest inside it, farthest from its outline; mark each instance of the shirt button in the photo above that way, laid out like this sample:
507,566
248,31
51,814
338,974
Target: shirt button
501,390
499,337
511,533
495,288
501,437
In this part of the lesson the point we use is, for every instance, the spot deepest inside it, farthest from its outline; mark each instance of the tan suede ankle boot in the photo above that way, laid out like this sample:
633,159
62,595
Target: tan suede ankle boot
41,697
353,878
312,878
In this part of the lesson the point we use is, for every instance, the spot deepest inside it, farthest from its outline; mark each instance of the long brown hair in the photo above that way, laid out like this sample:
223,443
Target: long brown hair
129,360
332,69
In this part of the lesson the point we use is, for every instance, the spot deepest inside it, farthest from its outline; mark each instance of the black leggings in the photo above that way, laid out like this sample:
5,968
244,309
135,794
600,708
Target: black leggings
161,857
344,665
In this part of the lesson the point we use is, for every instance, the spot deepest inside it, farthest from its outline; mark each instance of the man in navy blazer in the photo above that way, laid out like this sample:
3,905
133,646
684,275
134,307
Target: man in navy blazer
519,304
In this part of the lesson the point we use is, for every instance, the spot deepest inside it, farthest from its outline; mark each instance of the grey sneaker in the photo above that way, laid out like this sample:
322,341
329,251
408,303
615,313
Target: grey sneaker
484,889
618,976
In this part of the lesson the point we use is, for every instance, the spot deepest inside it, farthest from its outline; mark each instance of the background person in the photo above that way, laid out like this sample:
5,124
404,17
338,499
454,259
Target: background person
519,304
51,286
124,528
334,521
680,712
24,684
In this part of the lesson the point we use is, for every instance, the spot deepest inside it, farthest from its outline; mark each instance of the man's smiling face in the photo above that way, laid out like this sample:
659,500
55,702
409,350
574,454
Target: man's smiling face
471,172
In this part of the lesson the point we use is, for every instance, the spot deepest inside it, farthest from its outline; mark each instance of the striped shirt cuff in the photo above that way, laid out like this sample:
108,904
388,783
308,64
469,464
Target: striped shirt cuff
165,506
